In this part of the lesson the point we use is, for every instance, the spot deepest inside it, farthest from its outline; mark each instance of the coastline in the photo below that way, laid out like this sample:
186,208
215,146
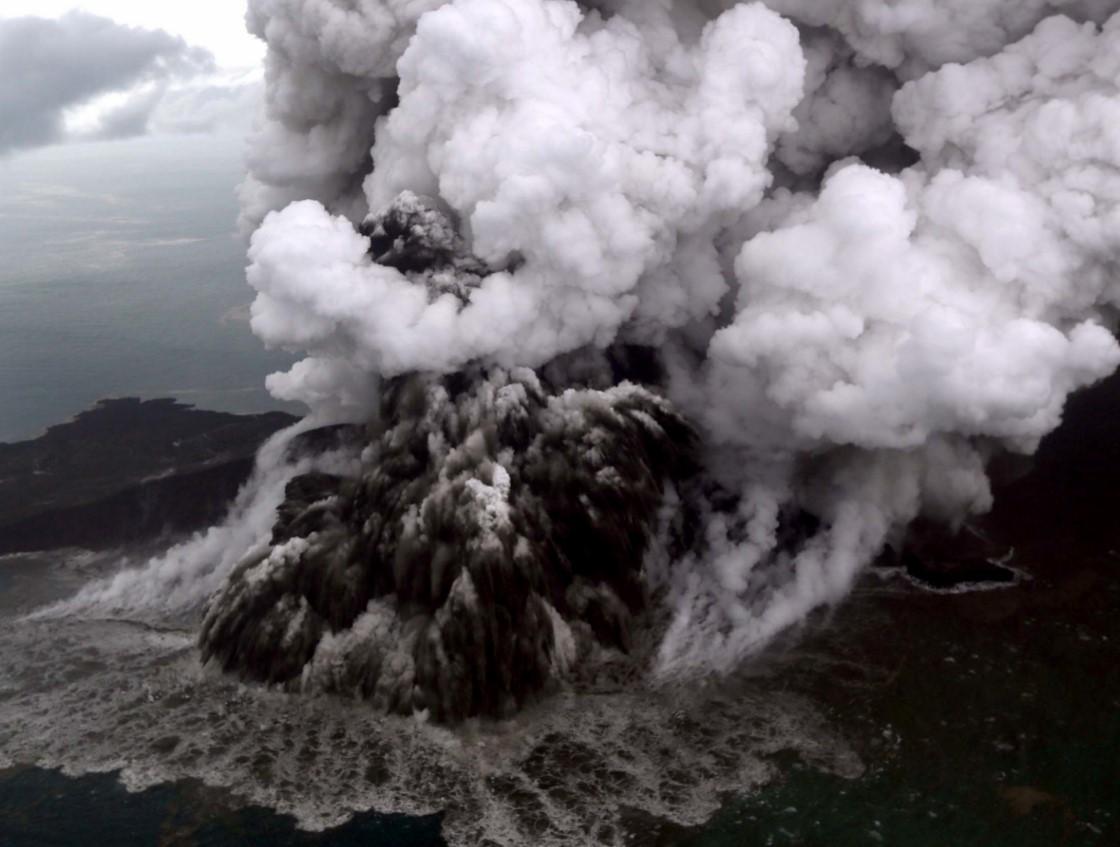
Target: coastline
126,471
982,719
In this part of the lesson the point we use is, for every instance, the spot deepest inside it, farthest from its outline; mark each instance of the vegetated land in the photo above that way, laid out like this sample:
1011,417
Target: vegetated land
127,470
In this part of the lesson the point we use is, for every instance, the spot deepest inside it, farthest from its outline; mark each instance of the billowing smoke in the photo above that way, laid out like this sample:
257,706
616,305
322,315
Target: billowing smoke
890,331
663,310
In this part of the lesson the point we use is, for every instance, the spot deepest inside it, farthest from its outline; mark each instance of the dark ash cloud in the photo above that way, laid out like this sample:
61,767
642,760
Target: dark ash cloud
48,66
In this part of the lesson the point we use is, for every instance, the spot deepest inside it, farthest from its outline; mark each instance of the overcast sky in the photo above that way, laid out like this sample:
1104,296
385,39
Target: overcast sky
94,70
217,25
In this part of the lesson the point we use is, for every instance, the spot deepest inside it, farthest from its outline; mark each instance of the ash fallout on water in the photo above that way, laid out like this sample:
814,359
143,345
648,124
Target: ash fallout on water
654,321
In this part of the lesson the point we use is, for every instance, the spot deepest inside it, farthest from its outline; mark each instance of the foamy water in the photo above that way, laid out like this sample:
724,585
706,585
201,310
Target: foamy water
84,693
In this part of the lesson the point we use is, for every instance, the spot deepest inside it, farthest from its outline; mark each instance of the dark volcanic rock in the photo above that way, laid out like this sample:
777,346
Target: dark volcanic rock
494,531
326,439
939,558
125,471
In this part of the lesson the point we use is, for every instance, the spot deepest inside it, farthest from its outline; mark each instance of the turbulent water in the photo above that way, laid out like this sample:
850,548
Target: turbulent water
102,672
96,693
976,723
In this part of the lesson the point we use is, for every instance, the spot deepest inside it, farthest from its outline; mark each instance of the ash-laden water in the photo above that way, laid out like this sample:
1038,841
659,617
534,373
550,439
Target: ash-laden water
94,692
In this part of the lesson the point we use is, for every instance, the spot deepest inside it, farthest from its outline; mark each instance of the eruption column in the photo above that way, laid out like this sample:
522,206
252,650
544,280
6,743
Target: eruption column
485,187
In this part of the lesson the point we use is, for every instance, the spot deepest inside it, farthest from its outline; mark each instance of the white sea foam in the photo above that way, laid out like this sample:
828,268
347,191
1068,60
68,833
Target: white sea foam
94,695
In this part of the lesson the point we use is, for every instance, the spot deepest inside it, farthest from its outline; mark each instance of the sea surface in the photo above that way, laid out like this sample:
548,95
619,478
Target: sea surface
121,275
987,719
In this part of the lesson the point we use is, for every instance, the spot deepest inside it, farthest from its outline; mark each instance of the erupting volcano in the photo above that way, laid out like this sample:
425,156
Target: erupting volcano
679,311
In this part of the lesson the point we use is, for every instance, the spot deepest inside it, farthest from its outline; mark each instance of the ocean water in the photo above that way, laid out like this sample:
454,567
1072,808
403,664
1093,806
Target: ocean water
121,275
975,720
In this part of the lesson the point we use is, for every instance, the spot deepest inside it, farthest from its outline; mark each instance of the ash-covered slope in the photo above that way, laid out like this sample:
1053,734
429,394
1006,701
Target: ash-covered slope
496,529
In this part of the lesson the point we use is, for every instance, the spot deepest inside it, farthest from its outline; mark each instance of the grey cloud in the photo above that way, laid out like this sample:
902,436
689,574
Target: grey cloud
188,110
132,117
48,66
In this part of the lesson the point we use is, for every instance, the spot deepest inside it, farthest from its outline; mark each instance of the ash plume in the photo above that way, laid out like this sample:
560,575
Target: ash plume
494,535
684,305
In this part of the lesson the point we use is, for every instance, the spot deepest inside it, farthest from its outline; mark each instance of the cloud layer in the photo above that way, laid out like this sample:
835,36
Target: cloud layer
49,67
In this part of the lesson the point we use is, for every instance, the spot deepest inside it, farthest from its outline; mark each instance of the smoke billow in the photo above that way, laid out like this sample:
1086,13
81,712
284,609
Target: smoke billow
690,303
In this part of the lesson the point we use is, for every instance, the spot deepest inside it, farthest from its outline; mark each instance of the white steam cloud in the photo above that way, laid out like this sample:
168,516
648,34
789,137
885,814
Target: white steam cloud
186,575
853,336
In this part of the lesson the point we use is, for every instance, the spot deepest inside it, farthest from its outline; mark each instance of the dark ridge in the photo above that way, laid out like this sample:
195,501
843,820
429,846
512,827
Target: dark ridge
494,530
1064,506
126,470
168,507
1053,508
